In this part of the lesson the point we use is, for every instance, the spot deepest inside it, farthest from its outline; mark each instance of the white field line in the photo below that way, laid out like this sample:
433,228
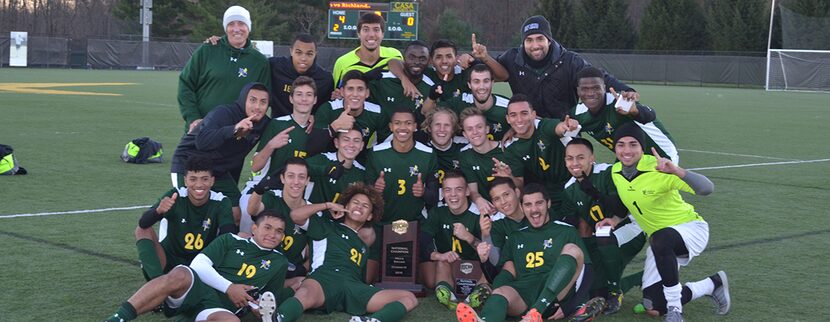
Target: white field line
737,154
86,211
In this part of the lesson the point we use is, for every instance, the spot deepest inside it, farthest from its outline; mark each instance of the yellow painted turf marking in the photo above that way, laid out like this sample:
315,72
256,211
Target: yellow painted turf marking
45,88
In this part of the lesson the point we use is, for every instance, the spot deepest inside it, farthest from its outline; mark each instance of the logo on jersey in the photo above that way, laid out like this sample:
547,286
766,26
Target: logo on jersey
648,192
547,243
413,171
206,224
520,246
476,168
390,99
234,59
387,169
265,264
541,145
184,221
609,128
344,236
496,127
446,226
579,203
241,253
456,164
526,157
243,72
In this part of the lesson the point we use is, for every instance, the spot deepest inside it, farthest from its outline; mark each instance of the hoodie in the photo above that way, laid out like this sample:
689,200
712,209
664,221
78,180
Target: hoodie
283,75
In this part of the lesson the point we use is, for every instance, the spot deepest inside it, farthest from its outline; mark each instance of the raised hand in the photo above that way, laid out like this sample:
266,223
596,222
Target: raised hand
567,124
281,139
664,165
380,183
166,204
244,126
501,169
344,122
213,40
418,187
479,51
628,96
337,210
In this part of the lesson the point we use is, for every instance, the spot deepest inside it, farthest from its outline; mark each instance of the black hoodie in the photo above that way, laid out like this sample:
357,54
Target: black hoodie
283,75
214,139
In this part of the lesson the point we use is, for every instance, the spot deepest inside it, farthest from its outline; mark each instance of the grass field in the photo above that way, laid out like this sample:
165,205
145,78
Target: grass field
767,153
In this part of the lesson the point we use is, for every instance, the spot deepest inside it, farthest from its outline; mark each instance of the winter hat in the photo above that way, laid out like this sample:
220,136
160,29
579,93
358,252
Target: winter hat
536,25
632,130
237,13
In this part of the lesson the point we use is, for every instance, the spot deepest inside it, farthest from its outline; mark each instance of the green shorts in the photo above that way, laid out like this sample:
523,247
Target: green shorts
199,297
347,296
227,187
172,262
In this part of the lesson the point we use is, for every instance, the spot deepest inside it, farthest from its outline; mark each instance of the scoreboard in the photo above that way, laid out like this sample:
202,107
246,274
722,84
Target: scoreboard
401,19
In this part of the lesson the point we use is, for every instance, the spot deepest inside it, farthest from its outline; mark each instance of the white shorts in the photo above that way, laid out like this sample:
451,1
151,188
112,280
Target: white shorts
627,232
695,235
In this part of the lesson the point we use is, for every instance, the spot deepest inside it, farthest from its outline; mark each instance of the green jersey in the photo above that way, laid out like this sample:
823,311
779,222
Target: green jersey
296,146
452,88
369,121
400,171
242,261
448,158
350,61
503,226
534,251
323,188
578,204
190,228
541,158
653,197
602,125
496,115
478,167
295,240
439,226
388,93
337,248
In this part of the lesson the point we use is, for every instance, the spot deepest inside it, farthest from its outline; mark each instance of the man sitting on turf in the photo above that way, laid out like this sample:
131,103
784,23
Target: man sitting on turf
543,264
219,279
509,218
333,172
451,233
194,215
336,282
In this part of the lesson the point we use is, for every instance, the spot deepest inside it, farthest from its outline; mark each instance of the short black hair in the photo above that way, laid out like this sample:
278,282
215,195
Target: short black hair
269,213
520,97
532,188
581,141
503,180
417,43
371,17
589,72
259,87
296,161
304,81
404,110
198,163
479,68
443,43
353,74
450,174
304,38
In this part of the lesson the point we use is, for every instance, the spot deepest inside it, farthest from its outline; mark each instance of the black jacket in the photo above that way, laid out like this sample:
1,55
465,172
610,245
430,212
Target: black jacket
552,92
214,139
283,75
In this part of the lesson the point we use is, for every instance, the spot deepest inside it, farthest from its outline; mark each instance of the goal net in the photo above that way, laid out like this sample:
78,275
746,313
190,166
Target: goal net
803,62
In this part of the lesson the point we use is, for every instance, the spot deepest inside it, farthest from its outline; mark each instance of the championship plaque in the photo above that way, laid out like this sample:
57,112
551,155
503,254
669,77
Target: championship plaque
467,274
399,261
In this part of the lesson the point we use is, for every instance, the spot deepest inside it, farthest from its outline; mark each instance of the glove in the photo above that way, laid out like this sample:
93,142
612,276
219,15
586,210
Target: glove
337,170
267,183
435,92
588,187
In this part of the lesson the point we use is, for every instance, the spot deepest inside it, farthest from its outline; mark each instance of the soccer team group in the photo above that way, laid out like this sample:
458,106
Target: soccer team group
508,183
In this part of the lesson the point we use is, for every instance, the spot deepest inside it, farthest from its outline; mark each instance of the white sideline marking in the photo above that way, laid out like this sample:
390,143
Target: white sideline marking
86,211
737,154
139,207
758,164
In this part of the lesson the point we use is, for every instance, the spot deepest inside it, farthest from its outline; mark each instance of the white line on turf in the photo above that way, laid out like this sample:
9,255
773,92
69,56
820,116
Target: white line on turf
139,207
758,164
86,211
737,154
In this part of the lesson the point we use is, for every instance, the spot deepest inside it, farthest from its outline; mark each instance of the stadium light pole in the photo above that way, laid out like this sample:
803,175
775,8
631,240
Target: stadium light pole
146,17
769,42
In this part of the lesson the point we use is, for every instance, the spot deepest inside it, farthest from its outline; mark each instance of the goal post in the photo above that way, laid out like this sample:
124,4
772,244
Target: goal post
803,62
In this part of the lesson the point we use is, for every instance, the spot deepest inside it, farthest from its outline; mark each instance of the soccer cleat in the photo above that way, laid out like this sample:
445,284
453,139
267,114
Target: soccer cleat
720,296
465,313
613,303
532,316
267,307
673,314
356,318
445,296
589,310
479,295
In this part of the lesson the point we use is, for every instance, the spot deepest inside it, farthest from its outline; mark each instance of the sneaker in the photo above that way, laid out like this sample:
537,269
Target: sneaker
267,306
445,296
613,303
589,310
479,294
532,316
720,296
673,314
356,318
465,313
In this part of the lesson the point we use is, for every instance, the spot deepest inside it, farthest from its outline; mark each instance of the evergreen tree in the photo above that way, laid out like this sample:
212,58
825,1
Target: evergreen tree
561,15
604,24
738,25
673,25
271,20
168,18
451,26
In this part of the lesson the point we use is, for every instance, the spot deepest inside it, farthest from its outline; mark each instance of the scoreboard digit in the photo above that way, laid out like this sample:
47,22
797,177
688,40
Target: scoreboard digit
401,19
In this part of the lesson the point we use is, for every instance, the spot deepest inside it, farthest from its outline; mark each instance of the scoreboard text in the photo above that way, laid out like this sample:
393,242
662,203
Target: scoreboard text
401,19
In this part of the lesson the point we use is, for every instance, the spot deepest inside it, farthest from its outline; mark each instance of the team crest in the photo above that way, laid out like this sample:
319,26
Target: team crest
413,171
466,267
206,224
496,127
265,264
419,102
541,145
548,243
456,93
456,164
609,128
243,72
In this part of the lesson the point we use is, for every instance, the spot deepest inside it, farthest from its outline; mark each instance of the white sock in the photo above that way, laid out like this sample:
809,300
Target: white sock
673,294
701,288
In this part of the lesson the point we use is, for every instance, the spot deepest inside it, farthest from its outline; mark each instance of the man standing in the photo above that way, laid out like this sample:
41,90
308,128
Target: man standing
214,74
300,62
445,70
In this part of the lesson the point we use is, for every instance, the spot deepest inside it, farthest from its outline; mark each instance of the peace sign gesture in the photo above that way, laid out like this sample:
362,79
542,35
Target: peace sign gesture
666,166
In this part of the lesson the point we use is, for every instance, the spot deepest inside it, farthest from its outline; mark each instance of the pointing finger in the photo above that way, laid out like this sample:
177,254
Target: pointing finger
286,131
613,92
473,38
654,152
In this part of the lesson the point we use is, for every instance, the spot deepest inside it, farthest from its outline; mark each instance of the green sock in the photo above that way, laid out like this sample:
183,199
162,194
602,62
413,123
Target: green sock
558,277
626,283
612,262
391,312
291,309
495,309
150,262
125,313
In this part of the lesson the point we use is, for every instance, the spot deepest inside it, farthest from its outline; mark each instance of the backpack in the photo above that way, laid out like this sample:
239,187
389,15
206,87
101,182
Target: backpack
8,162
142,150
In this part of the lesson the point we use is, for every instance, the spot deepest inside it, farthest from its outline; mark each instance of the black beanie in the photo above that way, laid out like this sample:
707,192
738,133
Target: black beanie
632,130
536,25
